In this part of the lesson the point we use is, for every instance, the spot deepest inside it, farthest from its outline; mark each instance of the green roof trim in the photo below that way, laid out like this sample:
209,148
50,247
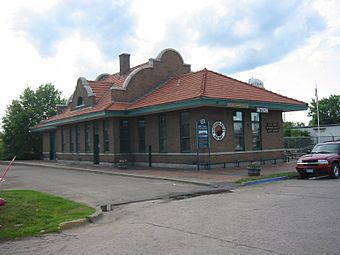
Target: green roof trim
204,101
185,104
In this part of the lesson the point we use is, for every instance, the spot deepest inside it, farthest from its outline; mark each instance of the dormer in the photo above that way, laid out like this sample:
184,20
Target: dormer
83,96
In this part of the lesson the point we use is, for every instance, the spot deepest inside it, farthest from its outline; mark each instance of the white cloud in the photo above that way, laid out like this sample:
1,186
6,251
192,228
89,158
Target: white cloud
23,66
181,25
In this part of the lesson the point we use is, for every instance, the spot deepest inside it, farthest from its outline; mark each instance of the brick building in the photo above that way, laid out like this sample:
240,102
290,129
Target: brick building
164,111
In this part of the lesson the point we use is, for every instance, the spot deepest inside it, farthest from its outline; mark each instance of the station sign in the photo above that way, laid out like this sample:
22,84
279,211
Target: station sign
202,133
262,110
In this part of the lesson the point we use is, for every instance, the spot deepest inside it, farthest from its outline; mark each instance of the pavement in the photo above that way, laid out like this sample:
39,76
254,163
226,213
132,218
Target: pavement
108,193
199,177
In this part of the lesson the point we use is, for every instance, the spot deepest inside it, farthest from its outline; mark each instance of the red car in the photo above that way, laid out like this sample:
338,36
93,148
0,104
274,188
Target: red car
324,159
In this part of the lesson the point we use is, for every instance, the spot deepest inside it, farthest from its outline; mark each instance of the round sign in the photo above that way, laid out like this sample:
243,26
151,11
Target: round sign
218,130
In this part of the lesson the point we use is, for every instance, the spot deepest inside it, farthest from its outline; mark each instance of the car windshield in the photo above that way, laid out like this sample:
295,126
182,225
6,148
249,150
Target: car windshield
326,148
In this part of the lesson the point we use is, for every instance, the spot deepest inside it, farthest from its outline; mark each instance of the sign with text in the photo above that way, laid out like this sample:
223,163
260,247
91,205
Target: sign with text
273,127
202,128
218,130
262,110
237,105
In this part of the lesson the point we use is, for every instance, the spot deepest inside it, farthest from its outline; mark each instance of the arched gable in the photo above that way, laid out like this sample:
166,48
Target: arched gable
169,63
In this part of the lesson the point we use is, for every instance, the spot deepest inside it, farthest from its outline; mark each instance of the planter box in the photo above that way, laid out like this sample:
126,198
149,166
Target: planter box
122,164
254,171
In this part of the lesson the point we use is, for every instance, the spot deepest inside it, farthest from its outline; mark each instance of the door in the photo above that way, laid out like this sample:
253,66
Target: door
96,149
52,145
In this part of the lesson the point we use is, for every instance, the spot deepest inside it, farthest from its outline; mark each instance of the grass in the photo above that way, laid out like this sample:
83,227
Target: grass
288,174
28,213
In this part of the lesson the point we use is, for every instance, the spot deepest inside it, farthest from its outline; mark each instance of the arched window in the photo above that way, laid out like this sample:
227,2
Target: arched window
80,101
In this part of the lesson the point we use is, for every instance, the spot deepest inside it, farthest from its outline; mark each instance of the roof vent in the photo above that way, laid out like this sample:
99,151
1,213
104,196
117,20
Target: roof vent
256,82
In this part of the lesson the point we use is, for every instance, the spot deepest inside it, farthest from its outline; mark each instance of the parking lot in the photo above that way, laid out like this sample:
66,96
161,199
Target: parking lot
93,188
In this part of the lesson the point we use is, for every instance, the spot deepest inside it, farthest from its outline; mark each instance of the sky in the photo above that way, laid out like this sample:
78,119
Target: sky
292,45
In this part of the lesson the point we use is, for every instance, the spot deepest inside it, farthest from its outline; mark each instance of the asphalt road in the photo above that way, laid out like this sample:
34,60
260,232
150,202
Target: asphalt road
92,188
289,217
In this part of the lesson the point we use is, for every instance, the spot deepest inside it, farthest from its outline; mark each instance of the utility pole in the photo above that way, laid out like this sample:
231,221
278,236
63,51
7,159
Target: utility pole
317,111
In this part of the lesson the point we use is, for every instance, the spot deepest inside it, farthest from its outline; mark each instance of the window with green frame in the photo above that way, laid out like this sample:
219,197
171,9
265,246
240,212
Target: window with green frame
77,138
106,138
238,131
185,131
141,135
87,137
162,136
62,134
71,139
124,130
256,130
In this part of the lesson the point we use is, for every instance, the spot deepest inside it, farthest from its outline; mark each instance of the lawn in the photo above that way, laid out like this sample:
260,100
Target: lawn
30,213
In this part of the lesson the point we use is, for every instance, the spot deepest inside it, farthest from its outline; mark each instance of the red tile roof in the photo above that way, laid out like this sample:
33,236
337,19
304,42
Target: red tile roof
99,88
209,84
201,84
118,80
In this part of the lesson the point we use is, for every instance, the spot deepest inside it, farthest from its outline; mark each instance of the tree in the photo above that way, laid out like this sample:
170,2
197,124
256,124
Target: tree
329,110
29,110
1,146
290,129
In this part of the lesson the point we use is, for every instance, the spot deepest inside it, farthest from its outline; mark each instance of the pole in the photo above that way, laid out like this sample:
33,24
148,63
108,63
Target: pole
150,159
317,111
7,169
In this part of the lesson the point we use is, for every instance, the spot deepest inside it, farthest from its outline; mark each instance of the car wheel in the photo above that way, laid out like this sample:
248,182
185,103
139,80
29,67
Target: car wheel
335,171
304,176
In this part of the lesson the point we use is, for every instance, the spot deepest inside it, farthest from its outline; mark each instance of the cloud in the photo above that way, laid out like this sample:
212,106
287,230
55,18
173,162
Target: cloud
59,41
260,32
106,23
246,34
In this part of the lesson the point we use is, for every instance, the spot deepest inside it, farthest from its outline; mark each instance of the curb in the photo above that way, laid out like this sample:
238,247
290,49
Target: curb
265,180
111,173
80,222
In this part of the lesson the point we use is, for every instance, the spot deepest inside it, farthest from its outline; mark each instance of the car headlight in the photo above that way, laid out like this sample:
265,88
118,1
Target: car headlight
299,161
323,161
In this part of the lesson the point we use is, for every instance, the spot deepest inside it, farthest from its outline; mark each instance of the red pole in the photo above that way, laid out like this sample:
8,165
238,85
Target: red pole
7,168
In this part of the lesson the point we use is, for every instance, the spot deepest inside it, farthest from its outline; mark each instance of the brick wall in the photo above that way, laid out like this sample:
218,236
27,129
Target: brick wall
221,151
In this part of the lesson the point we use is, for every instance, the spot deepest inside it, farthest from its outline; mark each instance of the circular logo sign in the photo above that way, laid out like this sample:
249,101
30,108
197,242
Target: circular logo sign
218,130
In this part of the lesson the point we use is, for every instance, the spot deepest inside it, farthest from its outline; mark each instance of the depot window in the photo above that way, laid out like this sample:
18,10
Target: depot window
162,133
106,139
238,131
256,130
124,129
80,101
77,139
141,135
87,137
62,131
185,132
71,139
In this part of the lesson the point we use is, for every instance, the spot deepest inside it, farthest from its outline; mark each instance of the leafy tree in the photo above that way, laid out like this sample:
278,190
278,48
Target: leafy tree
289,129
1,146
329,110
29,110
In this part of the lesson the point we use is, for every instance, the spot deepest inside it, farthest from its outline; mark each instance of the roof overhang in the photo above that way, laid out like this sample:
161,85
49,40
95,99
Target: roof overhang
178,105
215,102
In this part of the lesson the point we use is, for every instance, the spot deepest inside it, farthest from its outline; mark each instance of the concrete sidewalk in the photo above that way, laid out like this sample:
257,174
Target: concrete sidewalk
202,177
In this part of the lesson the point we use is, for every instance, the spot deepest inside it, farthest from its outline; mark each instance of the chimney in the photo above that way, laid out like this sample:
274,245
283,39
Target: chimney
124,62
